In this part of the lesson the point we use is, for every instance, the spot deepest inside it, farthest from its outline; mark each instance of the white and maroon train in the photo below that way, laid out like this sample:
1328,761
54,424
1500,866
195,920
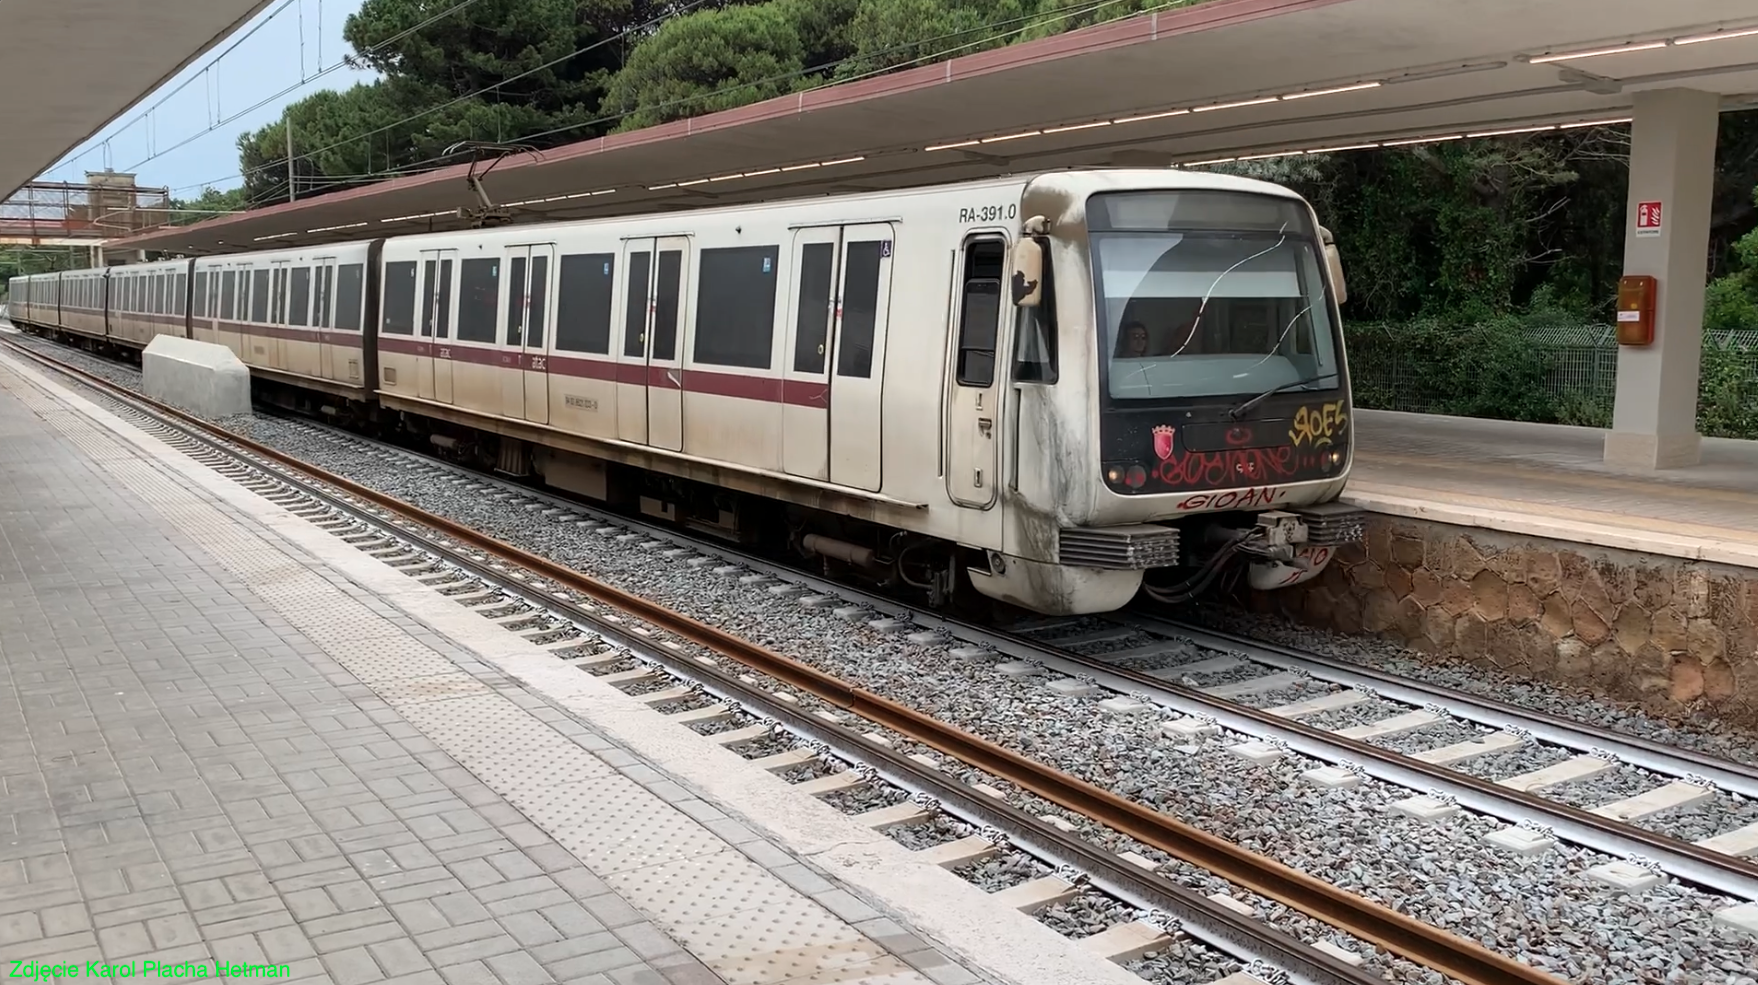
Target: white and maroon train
1053,385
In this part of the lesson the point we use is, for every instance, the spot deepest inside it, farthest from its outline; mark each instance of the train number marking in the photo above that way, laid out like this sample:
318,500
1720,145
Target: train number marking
445,353
581,403
989,213
539,363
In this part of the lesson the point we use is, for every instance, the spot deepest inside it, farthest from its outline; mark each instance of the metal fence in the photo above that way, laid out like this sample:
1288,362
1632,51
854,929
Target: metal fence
1583,361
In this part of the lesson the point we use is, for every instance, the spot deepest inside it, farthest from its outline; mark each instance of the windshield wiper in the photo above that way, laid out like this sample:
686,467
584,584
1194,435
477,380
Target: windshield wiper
1245,408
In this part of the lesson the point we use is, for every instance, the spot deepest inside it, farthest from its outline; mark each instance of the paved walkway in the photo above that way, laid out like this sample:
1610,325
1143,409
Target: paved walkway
210,751
1494,472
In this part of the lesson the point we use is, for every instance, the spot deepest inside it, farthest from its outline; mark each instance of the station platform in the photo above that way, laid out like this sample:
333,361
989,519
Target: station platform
1547,480
226,737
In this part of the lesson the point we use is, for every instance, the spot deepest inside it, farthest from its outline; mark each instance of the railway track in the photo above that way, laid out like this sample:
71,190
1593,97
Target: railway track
1092,654
548,602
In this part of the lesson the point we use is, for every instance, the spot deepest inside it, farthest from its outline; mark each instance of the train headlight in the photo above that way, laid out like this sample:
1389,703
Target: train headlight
1114,475
1332,460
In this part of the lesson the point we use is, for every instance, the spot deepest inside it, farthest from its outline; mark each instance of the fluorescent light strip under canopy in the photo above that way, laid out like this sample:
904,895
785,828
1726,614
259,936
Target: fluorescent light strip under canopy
1405,142
1117,121
1725,34
758,173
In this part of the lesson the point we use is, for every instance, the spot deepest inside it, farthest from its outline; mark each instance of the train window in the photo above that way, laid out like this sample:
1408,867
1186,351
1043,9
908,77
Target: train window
183,294
429,279
479,287
1034,356
442,316
812,325
320,296
582,317
351,293
665,304
399,313
515,302
860,309
980,313
735,307
635,314
299,297
228,293
201,294
536,308
259,296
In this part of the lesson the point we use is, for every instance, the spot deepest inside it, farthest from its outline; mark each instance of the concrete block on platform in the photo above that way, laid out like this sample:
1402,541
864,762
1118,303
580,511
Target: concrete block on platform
199,377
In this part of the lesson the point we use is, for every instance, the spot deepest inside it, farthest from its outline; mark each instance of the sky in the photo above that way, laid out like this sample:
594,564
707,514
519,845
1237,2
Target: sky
185,138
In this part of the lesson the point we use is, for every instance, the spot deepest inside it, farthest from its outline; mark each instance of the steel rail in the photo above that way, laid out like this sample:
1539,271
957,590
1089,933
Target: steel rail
1727,874
1201,917
1634,750
1446,953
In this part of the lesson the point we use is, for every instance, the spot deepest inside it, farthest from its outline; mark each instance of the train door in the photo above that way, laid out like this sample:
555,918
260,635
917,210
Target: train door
805,410
234,285
631,373
973,405
434,368
281,350
665,373
323,276
525,388
857,380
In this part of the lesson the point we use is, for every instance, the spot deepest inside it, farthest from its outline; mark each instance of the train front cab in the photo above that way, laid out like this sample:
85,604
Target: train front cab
1201,428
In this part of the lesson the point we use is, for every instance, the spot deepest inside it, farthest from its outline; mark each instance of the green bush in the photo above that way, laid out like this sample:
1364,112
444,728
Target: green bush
1496,368
1477,368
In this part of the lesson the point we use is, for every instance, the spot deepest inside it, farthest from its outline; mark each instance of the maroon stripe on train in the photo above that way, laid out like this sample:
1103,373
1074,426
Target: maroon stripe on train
326,336
768,389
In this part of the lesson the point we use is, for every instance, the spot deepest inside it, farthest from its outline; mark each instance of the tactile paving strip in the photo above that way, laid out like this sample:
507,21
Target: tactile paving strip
789,939
625,828
707,887
615,826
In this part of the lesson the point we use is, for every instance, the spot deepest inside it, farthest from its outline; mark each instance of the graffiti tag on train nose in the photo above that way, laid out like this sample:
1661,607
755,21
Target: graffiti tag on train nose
1318,426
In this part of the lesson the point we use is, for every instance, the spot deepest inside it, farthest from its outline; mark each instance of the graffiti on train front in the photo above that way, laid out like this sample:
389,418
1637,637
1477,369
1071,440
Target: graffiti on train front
1317,426
1220,468
1233,499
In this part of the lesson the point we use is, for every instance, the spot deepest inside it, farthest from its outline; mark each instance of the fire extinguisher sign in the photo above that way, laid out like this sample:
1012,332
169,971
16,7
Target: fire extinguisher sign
1648,219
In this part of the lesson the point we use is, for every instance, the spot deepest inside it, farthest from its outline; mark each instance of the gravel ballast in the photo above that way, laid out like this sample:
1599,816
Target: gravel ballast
1541,909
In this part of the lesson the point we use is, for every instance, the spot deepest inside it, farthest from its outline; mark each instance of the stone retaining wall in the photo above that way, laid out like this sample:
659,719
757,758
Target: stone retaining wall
1673,635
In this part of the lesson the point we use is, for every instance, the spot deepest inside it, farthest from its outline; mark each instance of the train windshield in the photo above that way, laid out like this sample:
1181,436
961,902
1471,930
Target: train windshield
1209,294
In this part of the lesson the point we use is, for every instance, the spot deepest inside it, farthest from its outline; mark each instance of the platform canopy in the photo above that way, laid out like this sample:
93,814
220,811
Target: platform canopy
70,67
1224,79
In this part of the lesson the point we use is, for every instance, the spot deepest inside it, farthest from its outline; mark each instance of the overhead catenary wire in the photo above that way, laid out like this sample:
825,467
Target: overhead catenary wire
1012,25
304,81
